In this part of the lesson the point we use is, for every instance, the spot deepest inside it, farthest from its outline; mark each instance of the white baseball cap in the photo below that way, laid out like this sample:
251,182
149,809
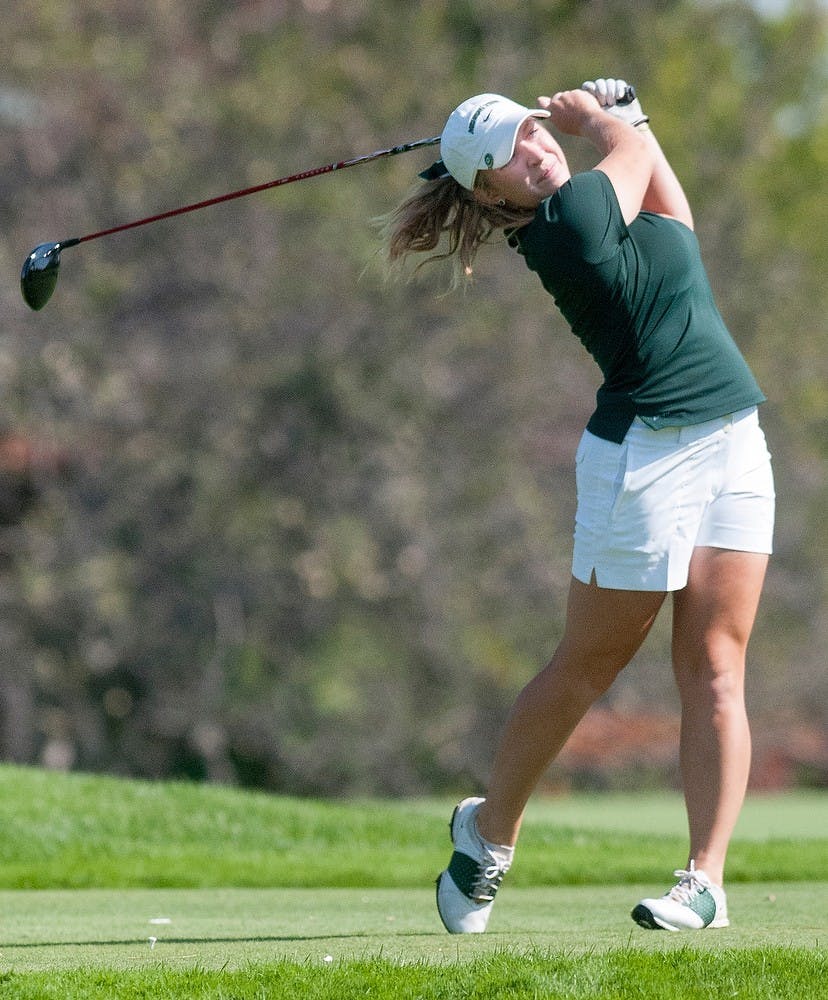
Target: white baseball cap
481,135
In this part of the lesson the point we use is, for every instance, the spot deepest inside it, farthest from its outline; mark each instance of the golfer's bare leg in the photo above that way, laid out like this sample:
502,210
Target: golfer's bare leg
604,629
712,621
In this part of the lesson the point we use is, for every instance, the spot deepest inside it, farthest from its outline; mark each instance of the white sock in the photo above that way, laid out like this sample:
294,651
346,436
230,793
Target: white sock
503,851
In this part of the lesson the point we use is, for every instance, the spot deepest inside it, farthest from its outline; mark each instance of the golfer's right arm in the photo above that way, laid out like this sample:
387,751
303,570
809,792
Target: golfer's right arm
629,156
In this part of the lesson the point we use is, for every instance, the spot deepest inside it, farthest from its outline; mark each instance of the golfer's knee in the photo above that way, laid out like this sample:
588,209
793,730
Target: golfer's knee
715,676
593,674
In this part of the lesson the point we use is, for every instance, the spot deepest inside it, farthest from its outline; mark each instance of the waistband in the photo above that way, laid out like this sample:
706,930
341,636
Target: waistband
695,432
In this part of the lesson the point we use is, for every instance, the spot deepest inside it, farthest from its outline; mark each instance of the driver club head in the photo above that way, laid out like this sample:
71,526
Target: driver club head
39,275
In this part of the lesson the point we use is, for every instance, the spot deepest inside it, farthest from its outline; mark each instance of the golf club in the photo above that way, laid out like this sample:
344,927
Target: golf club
40,269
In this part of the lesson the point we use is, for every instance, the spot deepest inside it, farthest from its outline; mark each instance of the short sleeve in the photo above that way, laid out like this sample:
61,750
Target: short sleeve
581,222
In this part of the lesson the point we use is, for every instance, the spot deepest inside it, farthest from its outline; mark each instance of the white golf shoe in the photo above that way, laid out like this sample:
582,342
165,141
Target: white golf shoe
466,889
692,904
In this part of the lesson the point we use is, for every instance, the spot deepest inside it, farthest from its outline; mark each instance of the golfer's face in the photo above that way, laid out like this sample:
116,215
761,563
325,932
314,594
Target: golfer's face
536,171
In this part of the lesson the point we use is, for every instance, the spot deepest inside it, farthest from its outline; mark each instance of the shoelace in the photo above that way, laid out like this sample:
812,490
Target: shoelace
488,881
690,883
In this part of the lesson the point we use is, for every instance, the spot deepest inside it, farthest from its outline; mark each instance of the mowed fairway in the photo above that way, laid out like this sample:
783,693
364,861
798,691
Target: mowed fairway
202,891
230,928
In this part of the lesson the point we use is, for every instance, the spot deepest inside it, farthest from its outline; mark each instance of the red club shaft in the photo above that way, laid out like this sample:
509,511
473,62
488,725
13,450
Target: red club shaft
303,175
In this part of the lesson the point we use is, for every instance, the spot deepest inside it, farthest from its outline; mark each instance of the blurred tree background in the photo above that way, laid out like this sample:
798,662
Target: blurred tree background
267,517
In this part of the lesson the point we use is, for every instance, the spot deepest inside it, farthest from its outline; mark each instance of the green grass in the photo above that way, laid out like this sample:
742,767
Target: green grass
751,974
81,831
230,928
250,895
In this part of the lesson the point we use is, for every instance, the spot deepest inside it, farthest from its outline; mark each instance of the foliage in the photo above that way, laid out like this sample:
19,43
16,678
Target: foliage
280,522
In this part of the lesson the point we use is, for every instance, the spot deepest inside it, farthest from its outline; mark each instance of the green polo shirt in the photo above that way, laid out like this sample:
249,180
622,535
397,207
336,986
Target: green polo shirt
638,298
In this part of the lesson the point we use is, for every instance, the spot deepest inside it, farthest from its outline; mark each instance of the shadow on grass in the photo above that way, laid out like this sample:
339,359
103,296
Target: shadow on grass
259,939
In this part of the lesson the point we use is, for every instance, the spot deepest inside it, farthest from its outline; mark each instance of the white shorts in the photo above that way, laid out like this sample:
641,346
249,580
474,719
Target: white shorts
645,504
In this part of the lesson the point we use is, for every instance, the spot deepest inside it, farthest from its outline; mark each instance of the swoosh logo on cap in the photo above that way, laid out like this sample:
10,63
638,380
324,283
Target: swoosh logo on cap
478,113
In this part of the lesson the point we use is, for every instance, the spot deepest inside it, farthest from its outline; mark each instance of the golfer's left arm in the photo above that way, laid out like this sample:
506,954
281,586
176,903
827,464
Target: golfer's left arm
665,195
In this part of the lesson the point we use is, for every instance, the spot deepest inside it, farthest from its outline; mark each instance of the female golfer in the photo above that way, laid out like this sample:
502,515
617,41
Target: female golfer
674,483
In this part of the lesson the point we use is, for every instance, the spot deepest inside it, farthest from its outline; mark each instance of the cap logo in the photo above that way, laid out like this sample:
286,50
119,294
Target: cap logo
488,159
477,114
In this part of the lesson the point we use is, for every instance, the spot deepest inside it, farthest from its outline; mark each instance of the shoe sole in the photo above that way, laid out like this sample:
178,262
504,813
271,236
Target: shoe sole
437,893
451,823
644,917
445,873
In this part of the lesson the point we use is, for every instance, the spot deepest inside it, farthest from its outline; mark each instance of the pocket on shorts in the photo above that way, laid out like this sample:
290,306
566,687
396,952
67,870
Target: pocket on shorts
600,467
753,450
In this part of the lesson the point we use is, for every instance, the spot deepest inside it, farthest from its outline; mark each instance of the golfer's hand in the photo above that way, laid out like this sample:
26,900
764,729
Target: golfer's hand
608,92
571,110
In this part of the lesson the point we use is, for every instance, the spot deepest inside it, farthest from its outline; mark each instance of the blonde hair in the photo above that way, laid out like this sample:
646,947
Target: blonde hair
441,208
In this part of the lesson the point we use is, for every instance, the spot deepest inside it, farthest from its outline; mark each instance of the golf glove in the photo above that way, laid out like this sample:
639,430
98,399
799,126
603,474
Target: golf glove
608,93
